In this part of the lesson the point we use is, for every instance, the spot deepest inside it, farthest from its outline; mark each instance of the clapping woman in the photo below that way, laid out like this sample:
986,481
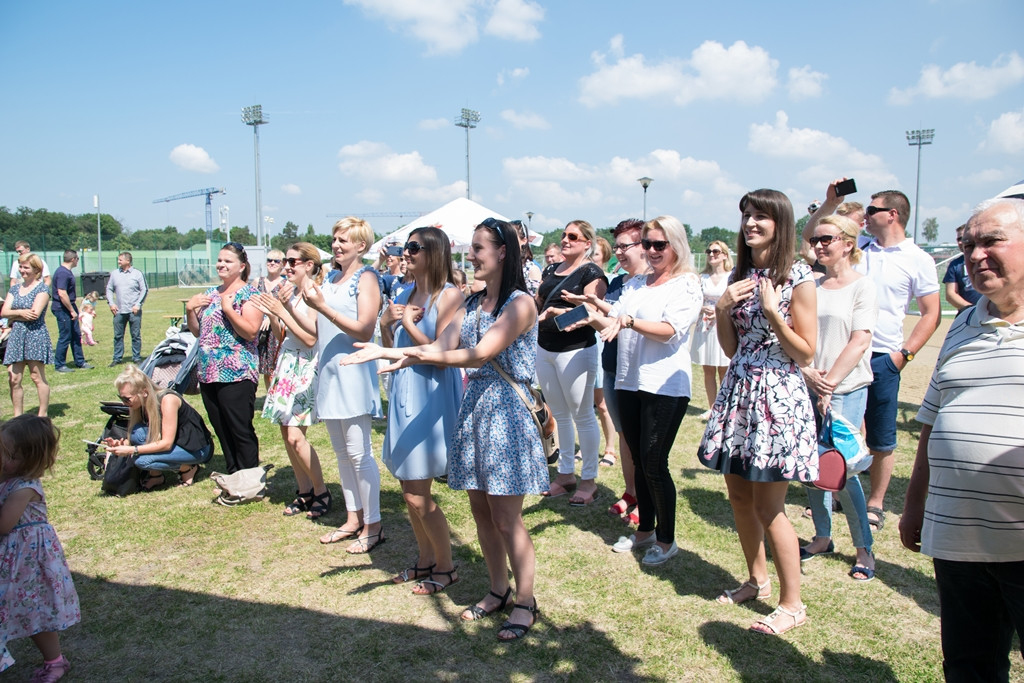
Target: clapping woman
291,400
496,453
424,404
705,349
226,323
761,432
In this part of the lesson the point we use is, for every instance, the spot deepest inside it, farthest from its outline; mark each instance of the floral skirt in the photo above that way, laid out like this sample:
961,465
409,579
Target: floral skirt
291,398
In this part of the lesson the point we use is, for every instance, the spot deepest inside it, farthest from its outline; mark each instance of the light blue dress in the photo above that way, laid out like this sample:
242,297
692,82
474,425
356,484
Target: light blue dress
423,409
346,392
496,447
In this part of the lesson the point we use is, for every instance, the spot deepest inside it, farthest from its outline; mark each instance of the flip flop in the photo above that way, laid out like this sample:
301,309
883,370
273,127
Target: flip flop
339,535
578,500
556,490
608,458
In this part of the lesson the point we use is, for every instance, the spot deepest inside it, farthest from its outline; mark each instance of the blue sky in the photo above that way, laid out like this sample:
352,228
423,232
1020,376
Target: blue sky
136,101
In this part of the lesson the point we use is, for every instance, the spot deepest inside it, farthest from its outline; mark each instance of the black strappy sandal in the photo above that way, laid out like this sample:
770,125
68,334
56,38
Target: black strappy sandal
413,573
431,587
319,505
477,612
300,504
519,630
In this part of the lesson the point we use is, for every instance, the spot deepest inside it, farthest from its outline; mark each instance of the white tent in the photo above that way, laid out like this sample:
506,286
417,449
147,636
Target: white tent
1013,192
458,218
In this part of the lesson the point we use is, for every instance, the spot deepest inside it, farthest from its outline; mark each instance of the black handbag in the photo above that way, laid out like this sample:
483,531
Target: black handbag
121,477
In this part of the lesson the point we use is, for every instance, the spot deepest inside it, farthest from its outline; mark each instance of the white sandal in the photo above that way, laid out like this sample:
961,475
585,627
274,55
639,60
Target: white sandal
760,592
799,618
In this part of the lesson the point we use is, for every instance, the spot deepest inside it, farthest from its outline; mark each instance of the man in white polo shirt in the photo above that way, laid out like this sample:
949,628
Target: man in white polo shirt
965,501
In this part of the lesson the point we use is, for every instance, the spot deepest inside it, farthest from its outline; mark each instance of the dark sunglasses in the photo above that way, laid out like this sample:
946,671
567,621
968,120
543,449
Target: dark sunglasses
823,240
656,245
624,246
413,247
125,399
712,252
872,210
290,262
495,225
571,236
235,245
274,260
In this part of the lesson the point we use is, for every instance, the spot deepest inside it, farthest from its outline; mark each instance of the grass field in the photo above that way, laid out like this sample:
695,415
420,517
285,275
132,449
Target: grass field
175,588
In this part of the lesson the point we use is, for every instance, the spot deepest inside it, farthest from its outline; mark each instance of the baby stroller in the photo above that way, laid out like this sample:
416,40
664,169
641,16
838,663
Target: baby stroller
172,365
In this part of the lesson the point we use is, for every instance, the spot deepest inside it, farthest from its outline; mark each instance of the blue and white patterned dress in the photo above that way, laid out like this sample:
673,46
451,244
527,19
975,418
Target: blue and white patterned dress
762,424
29,340
496,447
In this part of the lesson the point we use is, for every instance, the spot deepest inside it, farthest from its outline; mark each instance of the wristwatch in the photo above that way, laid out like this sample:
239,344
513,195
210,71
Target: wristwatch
629,324
907,355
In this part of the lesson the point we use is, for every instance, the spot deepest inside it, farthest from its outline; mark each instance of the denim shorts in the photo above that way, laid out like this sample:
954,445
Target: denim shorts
883,402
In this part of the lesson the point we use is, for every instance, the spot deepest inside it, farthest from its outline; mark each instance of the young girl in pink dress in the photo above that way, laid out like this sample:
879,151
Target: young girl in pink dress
37,595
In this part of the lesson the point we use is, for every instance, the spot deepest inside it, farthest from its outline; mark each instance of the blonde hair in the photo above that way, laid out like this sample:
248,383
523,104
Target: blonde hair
357,230
148,411
587,230
725,251
32,260
846,208
848,230
310,253
675,233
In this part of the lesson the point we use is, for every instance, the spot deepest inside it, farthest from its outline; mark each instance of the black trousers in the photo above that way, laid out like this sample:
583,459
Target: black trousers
230,407
649,424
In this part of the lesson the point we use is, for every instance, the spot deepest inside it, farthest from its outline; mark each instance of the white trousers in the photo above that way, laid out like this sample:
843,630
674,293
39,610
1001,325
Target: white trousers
567,380
360,476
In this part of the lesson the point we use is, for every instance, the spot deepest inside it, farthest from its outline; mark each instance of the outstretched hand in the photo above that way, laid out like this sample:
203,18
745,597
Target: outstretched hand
367,352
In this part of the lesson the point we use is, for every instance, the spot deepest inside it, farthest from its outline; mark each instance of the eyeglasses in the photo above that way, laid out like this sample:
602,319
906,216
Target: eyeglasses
625,246
656,245
823,240
712,252
274,260
290,262
571,236
872,210
495,225
413,247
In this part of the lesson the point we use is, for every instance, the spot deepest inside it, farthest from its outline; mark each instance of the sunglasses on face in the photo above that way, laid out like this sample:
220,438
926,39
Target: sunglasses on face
656,245
125,399
274,260
872,210
571,236
624,246
823,240
413,247
712,252
290,262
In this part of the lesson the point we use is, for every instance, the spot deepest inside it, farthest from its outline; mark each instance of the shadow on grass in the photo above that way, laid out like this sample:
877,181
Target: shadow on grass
757,657
152,633
54,410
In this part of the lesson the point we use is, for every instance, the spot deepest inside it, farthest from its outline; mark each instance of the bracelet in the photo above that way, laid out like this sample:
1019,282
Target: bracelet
136,450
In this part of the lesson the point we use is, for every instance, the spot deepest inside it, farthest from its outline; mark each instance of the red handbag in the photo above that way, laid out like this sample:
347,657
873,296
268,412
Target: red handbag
831,463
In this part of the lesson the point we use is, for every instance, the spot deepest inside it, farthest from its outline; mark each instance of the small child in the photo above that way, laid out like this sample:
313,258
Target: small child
37,595
85,322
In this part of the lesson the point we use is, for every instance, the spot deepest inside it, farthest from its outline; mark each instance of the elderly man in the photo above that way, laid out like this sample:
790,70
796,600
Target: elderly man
965,501
126,290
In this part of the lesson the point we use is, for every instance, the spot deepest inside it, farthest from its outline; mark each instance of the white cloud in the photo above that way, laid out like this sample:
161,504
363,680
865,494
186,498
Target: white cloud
444,25
712,72
192,158
805,83
371,195
525,120
291,188
434,124
985,177
374,161
964,80
546,168
516,74
1006,134
515,20
556,195
436,195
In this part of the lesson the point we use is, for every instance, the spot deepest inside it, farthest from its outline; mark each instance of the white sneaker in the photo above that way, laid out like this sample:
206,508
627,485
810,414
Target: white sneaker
656,555
624,545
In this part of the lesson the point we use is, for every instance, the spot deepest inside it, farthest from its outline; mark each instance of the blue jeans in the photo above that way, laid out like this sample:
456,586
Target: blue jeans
68,334
134,323
170,461
850,406
980,605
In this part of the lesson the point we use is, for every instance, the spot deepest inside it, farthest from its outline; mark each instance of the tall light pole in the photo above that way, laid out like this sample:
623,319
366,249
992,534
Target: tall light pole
268,220
99,236
646,182
253,116
467,119
918,138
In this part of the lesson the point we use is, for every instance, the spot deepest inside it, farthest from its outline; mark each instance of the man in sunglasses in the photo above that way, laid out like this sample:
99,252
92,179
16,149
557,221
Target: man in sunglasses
902,271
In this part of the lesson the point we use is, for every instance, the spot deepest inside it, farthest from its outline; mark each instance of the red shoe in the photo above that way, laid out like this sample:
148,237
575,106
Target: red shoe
633,518
622,505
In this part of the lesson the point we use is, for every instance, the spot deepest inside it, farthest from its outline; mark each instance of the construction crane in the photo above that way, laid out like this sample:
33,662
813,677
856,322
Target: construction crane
209,192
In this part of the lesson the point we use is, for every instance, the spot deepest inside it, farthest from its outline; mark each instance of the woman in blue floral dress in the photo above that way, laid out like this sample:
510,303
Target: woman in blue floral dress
291,398
227,357
496,454
761,433
29,341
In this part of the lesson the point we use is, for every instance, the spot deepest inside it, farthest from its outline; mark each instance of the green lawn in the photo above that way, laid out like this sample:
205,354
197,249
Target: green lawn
175,588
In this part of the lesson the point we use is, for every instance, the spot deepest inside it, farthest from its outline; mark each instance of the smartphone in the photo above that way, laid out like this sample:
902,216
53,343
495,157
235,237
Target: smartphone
96,444
846,187
571,316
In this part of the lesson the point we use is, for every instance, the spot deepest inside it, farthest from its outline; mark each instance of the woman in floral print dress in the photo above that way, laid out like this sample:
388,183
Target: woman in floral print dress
291,398
761,433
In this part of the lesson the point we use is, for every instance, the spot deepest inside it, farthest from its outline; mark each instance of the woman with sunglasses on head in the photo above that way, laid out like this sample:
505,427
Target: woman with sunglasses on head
347,398
840,375
291,398
567,362
496,453
423,404
531,271
651,322
706,351
761,433
269,343
165,431
226,322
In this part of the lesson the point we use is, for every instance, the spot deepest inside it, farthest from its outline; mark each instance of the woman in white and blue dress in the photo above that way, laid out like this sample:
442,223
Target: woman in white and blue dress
705,350
423,405
291,398
496,453
347,398
29,341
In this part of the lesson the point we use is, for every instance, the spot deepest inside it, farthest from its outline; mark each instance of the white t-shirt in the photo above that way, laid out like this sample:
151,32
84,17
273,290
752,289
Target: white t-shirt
648,365
841,312
901,273
16,274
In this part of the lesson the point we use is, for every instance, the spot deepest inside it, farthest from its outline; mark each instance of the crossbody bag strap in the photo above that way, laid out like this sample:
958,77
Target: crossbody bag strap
515,386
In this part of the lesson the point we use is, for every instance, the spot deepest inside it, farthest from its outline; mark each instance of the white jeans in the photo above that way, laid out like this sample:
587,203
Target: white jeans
567,380
360,476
